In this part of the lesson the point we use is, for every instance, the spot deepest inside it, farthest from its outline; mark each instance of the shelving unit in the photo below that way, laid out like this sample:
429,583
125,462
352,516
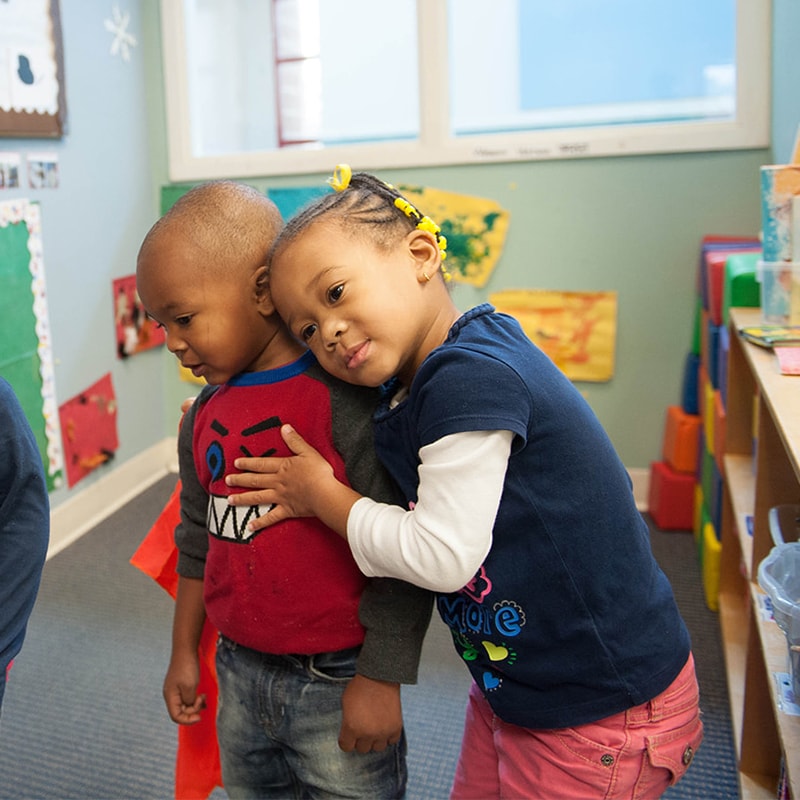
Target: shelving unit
762,469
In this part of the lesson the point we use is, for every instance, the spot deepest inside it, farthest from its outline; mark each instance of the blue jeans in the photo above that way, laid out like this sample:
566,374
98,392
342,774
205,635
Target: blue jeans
278,725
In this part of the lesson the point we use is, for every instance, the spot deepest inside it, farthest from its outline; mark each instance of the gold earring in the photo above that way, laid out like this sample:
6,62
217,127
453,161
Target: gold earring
426,276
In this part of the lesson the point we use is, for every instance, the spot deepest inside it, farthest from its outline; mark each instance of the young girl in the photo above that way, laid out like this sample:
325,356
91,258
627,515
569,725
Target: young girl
519,511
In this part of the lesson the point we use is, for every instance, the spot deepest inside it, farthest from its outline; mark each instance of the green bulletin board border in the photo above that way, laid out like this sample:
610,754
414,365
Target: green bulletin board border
35,386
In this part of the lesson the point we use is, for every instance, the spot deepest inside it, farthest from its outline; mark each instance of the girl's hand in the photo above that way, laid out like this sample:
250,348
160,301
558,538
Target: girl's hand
302,485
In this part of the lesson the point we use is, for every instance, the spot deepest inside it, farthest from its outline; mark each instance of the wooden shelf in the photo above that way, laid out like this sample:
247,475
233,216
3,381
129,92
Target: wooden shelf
757,787
761,470
734,641
741,482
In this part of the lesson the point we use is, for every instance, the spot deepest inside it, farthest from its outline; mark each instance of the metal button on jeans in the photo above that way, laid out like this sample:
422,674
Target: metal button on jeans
688,755
607,760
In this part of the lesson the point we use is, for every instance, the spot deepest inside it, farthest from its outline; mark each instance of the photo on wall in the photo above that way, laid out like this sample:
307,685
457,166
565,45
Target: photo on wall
135,331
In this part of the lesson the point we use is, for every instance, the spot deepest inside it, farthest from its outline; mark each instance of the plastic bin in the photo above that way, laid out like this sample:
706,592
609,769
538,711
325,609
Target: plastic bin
780,292
779,577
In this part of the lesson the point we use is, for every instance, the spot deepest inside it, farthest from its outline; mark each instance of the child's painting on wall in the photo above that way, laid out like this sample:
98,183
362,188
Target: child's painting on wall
135,331
89,427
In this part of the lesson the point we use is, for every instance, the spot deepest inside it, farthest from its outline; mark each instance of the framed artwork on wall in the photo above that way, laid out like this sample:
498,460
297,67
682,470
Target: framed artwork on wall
32,94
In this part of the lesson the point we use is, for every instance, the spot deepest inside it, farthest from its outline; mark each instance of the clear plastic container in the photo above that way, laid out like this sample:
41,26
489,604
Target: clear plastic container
779,577
780,292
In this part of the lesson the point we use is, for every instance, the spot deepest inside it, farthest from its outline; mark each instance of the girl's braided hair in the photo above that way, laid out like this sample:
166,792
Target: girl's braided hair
362,200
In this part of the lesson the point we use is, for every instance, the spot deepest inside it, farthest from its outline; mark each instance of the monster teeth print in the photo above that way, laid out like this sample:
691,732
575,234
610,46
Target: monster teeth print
230,522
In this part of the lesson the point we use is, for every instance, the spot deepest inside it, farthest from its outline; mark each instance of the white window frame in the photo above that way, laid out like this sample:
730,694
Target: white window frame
436,146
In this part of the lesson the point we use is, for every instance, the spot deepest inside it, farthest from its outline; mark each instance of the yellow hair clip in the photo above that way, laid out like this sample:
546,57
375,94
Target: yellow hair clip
340,179
426,224
406,207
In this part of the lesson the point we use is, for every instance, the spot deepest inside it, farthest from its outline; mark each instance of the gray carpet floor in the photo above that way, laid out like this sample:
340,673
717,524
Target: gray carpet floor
83,716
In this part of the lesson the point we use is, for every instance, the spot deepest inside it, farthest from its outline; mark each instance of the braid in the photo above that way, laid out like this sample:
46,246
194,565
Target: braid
367,202
362,201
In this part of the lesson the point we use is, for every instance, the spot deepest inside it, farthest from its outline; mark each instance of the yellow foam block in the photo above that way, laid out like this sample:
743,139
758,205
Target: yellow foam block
712,551
708,416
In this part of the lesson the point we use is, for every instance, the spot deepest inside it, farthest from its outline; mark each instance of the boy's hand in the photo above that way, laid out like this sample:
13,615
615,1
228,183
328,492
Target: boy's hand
180,691
372,717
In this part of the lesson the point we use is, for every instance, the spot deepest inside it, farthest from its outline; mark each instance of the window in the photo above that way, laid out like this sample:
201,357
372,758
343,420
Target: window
269,87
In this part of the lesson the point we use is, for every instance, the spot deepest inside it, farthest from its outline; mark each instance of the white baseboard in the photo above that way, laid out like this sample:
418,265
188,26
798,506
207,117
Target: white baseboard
86,509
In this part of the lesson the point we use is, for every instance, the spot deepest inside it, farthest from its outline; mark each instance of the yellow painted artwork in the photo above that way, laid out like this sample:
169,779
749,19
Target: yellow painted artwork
576,329
187,376
475,228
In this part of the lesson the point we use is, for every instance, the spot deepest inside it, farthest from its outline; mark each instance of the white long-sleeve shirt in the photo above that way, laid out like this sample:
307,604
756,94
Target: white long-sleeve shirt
441,542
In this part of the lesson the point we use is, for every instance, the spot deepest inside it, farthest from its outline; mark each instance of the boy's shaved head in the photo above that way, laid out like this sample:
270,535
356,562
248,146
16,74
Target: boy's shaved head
233,222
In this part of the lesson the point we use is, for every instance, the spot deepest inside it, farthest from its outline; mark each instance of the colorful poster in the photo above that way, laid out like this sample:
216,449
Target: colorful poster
26,357
474,226
135,331
780,184
89,425
576,329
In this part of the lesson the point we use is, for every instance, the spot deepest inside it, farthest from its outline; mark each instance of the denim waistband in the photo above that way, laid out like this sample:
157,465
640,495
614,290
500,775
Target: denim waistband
302,661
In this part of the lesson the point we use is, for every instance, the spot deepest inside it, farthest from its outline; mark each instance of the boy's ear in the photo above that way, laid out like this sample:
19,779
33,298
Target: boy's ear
261,291
424,250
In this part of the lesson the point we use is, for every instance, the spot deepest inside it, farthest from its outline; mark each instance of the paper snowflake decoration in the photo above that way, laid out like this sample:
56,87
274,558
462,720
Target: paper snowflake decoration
123,40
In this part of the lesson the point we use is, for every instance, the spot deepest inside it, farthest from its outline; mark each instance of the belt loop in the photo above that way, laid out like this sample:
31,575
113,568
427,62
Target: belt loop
656,706
636,715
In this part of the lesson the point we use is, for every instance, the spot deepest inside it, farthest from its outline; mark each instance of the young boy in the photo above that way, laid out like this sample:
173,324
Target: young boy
309,650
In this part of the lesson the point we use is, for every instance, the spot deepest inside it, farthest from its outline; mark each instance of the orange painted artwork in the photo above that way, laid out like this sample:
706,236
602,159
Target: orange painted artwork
576,329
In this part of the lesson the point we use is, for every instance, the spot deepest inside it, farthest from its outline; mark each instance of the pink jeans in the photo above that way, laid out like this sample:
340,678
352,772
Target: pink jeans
634,755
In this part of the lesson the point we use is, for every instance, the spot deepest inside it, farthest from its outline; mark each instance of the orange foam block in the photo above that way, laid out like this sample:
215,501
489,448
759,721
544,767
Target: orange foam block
671,497
681,439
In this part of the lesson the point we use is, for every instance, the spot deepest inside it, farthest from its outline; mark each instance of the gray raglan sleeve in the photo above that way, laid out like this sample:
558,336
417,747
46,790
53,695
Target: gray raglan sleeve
191,533
394,613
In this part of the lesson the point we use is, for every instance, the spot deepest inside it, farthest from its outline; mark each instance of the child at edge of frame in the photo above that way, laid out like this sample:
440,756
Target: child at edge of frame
518,511
311,653
24,526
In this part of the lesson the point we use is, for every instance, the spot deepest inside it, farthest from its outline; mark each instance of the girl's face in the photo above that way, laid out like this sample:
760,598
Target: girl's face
367,313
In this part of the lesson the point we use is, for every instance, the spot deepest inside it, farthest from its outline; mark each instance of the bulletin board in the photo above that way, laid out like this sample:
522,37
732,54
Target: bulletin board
32,95
26,360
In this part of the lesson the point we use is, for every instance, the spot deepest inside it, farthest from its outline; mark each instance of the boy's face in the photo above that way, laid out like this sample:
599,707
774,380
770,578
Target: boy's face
362,310
213,319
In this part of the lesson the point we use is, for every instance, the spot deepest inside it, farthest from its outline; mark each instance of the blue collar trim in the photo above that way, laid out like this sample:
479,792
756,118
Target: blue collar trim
284,373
